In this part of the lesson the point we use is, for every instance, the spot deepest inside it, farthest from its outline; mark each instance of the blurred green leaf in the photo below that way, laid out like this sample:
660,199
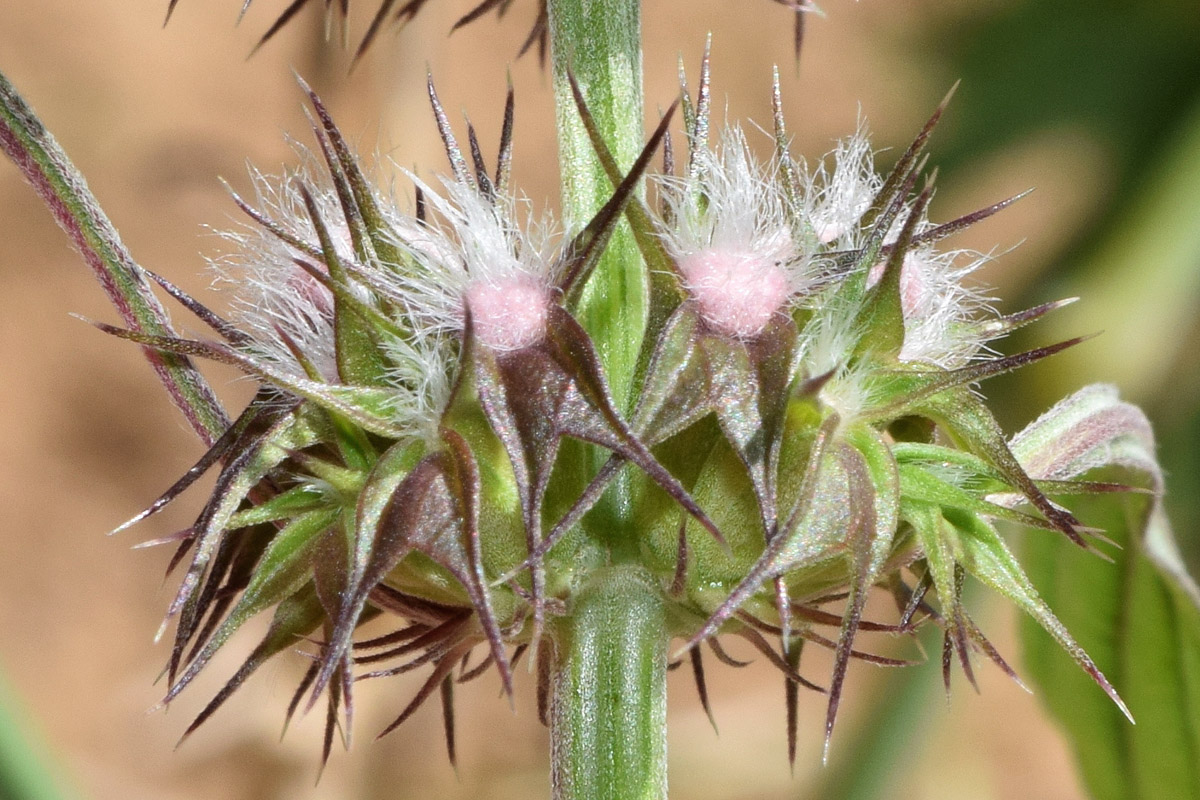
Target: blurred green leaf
25,773
1139,617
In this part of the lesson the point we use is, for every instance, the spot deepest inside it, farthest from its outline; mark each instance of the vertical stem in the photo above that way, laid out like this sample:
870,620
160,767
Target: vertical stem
608,721
609,705
600,41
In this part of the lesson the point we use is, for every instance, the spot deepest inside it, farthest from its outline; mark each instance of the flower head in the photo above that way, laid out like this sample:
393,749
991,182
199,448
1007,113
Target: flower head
421,372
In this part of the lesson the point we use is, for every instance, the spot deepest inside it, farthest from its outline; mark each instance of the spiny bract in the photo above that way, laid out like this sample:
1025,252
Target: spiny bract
423,443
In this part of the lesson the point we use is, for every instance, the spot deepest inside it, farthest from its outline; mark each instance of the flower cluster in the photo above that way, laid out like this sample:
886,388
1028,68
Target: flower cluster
805,426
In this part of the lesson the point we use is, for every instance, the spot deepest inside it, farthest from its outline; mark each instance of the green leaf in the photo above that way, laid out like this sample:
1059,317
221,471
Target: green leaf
1140,617
26,771
26,141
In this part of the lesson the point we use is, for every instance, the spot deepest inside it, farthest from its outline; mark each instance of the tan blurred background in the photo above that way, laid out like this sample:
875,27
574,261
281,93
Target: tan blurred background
153,117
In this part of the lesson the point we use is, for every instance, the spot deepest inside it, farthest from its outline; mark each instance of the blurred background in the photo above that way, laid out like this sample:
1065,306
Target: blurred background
1095,104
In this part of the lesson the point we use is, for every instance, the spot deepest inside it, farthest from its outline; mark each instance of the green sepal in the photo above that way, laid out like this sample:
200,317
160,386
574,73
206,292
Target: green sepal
920,485
283,569
297,616
360,360
988,559
292,503
961,413
369,407
379,232
881,318
241,474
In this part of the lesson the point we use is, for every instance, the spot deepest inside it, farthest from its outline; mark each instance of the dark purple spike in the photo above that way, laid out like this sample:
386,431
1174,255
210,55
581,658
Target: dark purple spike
475,13
406,510
210,318
419,202
479,669
518,653
797,43
347,682
443,668
1091,487
413,608
545,666
170,10
1011,322
246,553
481,171
180,552
331,722
275,229
194,611
947,661
174,344
588,498
701,688
952,227
763,646
724,657
571,347
450,630
294,617
585,249
310,675
809,635
968,419
539,33
220,448
991,652
531,449
347,199
458,164
927,384
505,154
372,30
791,697
883,314
826,618
468,492
435,652
959,627
666,291
405,634
447,692
280,23
916,600
861,534
679,583
902,171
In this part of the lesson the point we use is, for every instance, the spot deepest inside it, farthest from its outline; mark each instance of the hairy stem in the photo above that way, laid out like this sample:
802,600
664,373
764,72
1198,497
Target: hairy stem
609,705
600,42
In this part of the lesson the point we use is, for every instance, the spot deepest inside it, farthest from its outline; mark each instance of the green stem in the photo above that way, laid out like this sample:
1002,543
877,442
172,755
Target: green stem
600,42
608,720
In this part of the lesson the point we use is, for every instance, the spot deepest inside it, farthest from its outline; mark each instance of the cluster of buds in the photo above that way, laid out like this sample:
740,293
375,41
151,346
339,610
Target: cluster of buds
435,431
